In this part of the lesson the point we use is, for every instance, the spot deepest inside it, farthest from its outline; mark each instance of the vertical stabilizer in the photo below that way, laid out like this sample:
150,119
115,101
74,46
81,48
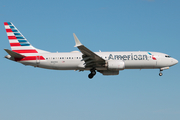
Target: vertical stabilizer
18,42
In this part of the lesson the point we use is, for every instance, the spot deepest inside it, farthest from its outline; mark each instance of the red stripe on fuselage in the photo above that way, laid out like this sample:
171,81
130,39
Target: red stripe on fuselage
33,58
15,44
25,51
27,58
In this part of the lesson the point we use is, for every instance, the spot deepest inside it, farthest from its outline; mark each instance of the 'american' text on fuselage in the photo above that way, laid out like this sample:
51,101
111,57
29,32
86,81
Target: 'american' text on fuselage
127,57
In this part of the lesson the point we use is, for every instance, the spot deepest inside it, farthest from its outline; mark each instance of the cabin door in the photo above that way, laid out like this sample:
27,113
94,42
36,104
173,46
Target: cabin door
37,60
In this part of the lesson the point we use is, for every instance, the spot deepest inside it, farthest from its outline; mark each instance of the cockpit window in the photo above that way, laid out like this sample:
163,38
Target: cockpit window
167,56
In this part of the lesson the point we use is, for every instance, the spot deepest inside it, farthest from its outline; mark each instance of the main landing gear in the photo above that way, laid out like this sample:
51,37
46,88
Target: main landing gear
160,74
92,74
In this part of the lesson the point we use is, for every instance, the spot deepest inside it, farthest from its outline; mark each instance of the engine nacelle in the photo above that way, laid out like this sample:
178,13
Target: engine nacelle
110,72
115,65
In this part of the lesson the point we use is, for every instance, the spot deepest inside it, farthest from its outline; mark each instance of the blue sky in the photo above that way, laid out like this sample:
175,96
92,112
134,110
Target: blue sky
28,93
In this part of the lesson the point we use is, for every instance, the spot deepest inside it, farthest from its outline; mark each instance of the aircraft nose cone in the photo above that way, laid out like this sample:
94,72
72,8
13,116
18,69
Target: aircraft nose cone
175,61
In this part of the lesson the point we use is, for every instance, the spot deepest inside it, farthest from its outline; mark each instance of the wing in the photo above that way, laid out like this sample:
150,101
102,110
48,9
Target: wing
90,58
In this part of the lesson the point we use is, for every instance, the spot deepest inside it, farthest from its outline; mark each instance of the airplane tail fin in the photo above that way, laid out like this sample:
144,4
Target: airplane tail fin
18,42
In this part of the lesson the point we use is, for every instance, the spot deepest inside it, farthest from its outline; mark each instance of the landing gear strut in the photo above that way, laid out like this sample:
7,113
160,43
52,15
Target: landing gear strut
92,74
160,74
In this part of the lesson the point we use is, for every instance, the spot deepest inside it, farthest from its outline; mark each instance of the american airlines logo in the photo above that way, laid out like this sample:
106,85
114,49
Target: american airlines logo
127,57
154,58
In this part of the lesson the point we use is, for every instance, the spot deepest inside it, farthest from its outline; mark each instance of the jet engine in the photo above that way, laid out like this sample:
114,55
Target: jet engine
115,65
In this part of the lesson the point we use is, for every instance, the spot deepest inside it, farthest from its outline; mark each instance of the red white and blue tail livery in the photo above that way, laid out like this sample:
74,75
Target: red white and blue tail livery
107,63
20,45
17,41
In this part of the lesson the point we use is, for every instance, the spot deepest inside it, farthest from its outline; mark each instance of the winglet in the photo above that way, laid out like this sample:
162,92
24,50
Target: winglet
78,43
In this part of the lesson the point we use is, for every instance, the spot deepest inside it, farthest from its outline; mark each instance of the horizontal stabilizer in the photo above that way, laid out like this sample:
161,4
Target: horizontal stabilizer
14,54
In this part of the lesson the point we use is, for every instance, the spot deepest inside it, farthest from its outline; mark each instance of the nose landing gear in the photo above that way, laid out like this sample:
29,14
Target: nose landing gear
160,74
92,74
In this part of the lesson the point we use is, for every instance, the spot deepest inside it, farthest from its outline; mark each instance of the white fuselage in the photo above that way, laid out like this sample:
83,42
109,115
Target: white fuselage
73,60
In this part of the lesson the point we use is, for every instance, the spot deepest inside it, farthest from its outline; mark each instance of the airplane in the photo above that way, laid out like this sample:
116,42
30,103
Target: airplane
107,63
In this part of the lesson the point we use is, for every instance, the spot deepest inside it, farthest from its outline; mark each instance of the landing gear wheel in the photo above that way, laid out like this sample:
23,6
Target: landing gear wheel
160,74
90,76
93,72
